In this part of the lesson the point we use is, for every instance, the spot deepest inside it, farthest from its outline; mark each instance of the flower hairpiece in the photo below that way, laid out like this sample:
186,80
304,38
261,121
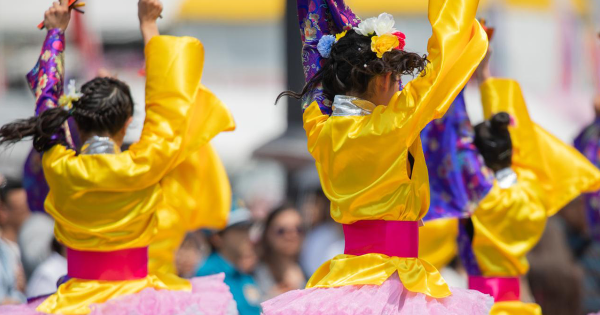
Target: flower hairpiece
326,43
66,100
384,37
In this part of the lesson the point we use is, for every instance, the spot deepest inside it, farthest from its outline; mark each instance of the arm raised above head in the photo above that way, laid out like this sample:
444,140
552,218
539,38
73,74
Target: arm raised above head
455,49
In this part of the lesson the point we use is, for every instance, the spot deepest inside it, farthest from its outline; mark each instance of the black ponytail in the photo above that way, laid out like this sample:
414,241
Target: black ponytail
104,108
41,128
492,139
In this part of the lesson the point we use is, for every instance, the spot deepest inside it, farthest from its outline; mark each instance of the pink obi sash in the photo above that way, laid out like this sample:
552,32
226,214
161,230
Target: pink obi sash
391,238
500,288
118,265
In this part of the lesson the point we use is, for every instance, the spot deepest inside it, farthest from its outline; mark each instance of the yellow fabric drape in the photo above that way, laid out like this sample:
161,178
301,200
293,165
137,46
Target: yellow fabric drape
197,195
362,160
515,308
508,223
437,241
561,170
110,202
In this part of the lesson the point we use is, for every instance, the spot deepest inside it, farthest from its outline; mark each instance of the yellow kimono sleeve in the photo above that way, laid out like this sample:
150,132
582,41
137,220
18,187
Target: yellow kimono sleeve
437,241
455,50
561,170
197,195
508,223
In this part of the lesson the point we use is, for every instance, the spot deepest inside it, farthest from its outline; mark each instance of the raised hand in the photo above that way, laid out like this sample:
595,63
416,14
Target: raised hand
58,16
149,10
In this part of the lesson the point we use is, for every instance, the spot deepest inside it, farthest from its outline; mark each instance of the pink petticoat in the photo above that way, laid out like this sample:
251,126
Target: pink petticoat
209,296
389,298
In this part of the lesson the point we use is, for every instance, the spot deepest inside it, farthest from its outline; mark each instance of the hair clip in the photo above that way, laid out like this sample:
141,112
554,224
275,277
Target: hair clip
365,65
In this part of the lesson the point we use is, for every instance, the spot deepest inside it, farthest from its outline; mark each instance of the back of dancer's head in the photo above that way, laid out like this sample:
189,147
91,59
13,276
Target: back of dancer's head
104,108
492,139
352,65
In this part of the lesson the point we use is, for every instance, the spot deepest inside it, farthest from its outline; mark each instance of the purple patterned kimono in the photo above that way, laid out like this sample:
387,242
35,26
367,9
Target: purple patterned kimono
588,143
318,18
46,82
458,178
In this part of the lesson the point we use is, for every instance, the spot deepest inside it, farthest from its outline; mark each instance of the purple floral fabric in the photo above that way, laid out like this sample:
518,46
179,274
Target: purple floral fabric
588,143
465,250
458,178
318,18
46,81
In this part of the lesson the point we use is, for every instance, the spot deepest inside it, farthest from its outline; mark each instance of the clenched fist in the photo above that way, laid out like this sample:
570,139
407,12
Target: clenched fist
58,16
149,10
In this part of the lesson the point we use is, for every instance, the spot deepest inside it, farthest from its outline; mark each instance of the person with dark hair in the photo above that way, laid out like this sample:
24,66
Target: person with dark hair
535,176
363,131
105,202
279,271
233,254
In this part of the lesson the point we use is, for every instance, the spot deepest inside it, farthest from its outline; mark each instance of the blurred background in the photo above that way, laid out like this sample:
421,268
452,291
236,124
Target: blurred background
253,52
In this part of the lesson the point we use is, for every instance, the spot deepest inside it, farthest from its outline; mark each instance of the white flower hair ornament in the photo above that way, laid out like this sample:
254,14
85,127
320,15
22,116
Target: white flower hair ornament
66,100
384,37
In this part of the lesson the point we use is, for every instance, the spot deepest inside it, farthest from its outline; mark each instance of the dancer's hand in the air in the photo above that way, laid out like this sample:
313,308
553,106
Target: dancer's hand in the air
58,16
148,12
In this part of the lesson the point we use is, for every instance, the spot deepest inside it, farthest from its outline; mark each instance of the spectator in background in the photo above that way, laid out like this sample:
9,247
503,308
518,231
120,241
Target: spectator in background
35,241
233,254
44,279
14,210
325,238
584,250
193,250
278,270
12,278
555,279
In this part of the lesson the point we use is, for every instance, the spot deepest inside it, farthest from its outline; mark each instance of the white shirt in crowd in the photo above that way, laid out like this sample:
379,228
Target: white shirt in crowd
44,278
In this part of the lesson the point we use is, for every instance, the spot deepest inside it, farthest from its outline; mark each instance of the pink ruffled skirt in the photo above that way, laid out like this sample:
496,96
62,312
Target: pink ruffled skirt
390,298
209,296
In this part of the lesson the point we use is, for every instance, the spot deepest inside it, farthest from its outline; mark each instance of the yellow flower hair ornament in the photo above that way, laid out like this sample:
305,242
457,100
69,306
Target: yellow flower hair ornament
66,100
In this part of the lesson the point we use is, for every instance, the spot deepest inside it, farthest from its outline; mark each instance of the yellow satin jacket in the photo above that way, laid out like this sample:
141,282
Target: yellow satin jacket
113,201
509,222
362,160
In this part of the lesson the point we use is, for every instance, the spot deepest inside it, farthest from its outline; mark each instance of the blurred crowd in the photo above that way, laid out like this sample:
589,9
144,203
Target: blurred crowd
266,253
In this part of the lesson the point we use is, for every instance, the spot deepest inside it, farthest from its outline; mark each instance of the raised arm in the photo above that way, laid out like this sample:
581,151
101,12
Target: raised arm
318,18
181,116
46,79
455,49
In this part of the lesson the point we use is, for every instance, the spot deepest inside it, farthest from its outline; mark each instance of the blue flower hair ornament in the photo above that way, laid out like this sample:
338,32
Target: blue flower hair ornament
325,44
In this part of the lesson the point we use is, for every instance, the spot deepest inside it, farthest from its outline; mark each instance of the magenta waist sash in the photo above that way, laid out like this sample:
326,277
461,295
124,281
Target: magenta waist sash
391,238
500,288
118,265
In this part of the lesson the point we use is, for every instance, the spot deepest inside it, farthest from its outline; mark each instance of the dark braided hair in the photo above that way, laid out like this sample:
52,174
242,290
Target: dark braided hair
352,64
492,139
105,107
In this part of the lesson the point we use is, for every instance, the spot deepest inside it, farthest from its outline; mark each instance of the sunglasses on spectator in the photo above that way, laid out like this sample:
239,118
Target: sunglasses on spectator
283,231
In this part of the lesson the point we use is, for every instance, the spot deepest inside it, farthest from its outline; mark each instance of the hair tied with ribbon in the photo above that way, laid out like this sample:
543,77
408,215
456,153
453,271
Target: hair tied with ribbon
66,100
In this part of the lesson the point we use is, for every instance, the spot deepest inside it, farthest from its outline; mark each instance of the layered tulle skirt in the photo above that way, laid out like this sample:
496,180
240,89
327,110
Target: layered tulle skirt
209,296
390,298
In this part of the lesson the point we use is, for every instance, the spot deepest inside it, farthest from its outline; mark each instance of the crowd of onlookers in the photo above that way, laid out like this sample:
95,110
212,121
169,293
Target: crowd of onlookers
266,253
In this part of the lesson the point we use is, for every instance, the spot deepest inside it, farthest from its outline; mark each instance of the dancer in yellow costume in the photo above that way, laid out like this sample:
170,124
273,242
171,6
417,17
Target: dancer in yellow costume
369,156
536,175
105,202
